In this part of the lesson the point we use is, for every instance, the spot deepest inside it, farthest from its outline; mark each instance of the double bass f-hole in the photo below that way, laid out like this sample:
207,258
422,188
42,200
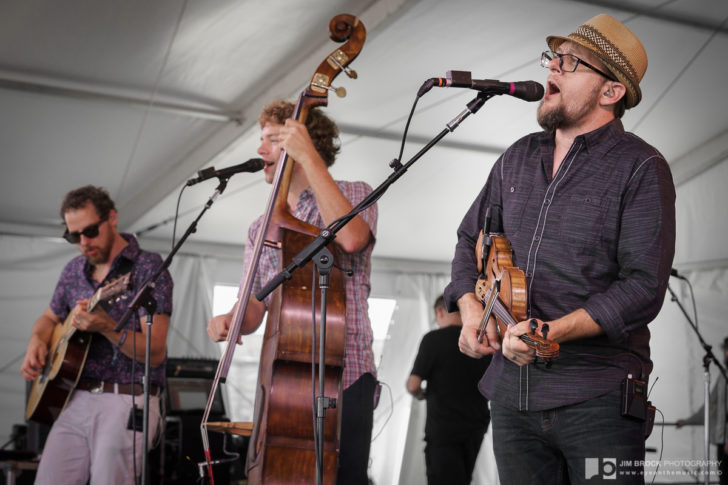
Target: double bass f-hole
501,288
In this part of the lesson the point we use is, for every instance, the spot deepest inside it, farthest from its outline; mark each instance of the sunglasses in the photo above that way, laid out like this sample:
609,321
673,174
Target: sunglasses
89,231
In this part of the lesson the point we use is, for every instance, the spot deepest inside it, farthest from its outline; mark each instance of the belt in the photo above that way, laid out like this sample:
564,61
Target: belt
97,387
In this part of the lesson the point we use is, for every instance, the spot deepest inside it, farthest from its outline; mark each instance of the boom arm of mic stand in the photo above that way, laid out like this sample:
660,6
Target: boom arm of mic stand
708,349
329,234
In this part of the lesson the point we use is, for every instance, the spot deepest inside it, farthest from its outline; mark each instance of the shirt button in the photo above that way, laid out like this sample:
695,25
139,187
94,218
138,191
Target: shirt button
513,189
536,237
548,201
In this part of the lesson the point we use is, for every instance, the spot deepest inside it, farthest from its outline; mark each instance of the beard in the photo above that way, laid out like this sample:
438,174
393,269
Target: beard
550,119
566,115
101,256
103,251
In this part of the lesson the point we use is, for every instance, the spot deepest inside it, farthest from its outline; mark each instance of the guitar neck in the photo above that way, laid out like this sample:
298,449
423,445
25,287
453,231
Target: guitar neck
93,302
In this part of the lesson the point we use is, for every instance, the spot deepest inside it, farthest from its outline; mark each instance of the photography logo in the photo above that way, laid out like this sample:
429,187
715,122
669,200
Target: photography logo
604,468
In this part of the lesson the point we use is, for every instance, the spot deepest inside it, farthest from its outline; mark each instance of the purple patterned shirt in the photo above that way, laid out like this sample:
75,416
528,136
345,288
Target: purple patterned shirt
105,362
599,235
359,358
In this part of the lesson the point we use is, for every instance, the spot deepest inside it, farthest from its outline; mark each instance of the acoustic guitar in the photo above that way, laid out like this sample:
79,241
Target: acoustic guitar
66,358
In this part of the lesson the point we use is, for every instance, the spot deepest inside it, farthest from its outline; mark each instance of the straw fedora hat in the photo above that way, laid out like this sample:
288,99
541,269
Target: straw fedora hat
619,49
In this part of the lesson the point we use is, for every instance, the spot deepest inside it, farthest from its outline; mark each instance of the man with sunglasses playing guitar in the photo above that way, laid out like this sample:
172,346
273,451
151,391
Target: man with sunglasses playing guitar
97,431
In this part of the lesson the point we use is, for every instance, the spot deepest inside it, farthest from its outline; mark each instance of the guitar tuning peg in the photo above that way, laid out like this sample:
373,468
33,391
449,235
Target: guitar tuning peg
534,325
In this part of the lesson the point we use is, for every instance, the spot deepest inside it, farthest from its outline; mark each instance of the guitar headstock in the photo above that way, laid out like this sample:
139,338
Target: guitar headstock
112,292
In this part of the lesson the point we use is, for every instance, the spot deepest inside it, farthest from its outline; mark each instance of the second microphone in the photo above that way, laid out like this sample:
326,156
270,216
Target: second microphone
252,165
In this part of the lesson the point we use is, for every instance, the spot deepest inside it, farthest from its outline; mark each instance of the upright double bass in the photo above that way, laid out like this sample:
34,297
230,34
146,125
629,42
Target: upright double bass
282,447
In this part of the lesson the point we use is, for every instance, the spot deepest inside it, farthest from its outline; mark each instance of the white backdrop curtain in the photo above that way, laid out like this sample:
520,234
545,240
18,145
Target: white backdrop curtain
194,281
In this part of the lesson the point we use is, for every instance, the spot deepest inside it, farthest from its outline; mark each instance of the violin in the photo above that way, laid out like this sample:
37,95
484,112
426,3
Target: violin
501,287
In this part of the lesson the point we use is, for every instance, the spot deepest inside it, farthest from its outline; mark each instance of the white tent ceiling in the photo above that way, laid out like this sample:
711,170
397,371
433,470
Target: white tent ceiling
137,96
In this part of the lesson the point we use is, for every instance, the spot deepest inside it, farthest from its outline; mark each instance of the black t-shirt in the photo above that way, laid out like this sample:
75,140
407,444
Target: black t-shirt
455,407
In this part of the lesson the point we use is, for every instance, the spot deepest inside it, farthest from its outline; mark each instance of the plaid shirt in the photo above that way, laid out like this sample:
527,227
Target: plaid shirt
105,362
358,358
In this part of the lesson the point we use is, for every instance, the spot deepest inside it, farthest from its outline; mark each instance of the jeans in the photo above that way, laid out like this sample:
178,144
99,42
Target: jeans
584,443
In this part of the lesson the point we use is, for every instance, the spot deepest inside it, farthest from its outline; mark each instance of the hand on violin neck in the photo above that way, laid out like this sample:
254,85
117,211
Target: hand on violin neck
514,348
471,311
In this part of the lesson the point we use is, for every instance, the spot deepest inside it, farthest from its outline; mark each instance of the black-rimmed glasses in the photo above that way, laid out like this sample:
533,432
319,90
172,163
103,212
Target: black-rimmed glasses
89,231
569,63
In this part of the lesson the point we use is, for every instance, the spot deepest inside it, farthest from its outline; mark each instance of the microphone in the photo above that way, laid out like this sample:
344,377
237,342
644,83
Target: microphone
252,165
673,272
525,90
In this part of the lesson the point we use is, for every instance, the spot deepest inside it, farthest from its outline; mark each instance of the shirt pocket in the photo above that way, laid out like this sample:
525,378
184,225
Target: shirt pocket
582,223
515,202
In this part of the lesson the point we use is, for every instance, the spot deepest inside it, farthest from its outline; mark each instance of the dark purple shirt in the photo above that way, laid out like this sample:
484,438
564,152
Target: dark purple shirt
105,362
600,235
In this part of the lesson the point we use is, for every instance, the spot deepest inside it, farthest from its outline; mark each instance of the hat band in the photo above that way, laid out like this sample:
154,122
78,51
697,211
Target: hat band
612,52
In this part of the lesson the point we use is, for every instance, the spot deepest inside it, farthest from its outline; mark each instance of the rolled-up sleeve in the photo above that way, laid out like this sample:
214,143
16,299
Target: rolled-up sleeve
646,246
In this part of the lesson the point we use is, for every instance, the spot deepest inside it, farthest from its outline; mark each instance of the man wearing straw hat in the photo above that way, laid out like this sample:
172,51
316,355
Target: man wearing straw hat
589,210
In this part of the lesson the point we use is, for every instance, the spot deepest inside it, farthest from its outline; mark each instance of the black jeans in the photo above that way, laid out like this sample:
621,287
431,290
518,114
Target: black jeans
585,443
357,418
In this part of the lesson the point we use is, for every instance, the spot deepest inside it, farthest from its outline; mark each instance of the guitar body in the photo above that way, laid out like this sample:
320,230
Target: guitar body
53,387
282,447
66,358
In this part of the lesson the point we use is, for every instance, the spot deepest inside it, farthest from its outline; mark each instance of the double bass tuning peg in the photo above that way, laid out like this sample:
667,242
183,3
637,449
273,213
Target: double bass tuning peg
336,59
340,92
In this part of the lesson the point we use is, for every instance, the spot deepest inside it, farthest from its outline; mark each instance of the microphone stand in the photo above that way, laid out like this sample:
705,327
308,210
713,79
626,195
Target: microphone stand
707,359
316,248
145,299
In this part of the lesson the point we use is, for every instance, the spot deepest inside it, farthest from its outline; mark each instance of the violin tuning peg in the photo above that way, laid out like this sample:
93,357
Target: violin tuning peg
545,330
534,325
